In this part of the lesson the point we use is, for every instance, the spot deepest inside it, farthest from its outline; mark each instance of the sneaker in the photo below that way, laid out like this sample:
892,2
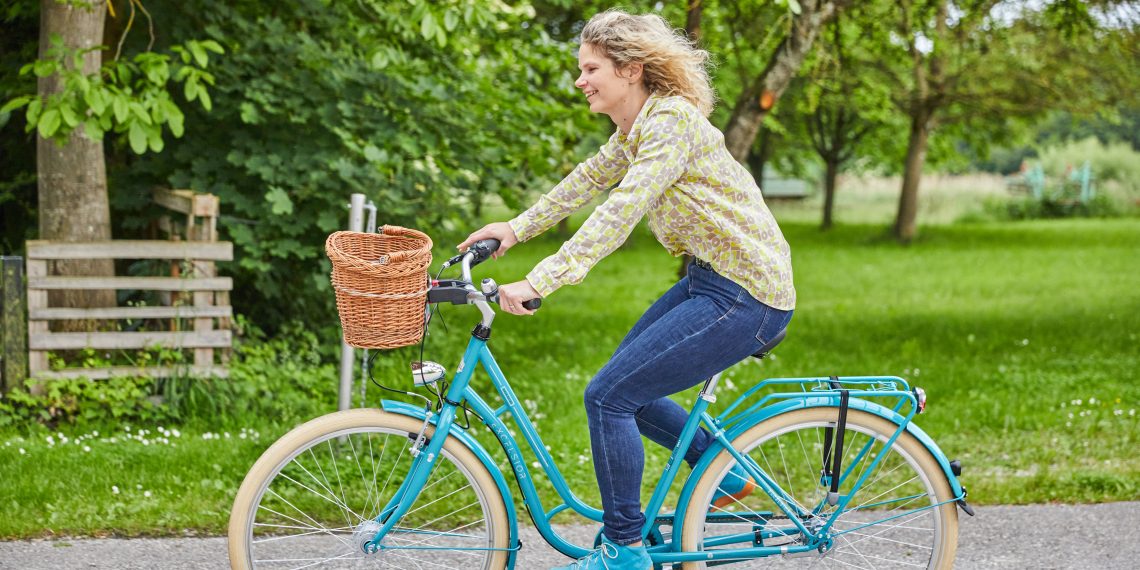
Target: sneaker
736,485
610,556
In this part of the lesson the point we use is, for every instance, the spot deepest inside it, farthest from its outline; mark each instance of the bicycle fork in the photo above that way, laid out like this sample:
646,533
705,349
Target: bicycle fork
425,452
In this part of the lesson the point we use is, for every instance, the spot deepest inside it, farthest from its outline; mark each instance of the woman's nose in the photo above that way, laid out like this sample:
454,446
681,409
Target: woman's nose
580,83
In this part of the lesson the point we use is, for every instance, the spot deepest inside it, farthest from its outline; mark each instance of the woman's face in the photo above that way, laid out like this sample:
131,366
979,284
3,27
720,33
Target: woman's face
605,89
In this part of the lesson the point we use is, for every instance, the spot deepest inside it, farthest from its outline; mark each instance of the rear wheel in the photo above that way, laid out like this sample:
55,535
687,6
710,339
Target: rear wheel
889,523
311,499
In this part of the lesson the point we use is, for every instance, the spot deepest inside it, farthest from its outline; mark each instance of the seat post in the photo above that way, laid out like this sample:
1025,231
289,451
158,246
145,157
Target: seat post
707,393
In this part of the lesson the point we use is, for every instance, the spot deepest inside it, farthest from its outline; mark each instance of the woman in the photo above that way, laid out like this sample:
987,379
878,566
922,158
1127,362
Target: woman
670,164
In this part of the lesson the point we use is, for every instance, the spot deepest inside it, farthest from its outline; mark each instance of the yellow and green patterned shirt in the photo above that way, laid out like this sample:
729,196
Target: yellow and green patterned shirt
674,167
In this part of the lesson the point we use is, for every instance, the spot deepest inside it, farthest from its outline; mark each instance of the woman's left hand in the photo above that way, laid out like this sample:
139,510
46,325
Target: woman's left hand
513,295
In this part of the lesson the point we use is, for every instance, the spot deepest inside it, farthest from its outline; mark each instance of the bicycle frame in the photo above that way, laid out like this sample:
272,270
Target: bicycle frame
723,428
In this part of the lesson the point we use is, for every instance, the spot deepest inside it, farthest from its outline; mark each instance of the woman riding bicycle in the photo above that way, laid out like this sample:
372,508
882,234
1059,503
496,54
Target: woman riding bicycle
670,164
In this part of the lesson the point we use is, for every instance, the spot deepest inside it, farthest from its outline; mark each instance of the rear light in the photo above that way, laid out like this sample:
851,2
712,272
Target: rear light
920,397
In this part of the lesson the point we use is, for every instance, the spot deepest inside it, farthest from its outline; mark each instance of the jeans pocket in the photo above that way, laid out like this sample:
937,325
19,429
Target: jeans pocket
773,321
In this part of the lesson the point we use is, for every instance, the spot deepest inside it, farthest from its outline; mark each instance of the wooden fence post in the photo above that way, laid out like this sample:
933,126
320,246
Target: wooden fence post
15,324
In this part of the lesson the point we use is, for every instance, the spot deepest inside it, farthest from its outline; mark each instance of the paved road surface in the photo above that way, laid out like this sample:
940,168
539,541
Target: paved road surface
1032,537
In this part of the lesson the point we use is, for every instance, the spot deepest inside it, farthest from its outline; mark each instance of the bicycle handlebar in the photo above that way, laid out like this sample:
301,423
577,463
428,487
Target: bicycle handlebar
459,292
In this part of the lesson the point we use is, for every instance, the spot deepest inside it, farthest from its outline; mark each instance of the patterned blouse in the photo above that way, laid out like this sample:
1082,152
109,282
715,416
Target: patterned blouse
674,167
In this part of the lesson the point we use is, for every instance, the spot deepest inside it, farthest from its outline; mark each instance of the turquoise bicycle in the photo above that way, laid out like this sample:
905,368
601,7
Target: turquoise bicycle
844,477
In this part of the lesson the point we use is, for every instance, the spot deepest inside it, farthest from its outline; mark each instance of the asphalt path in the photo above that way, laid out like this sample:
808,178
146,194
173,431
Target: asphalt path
1105,536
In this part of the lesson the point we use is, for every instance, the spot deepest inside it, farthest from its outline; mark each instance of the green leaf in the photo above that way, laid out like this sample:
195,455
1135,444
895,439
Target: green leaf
93,131
137,137
94,100
69,117
15,104
794,6
140,112
279,201
174,117
213,46
49,123
450,20
121,107
200,56
154,138
427,25
205,97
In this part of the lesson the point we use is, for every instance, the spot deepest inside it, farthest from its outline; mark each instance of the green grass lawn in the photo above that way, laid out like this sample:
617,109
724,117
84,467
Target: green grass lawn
1024,336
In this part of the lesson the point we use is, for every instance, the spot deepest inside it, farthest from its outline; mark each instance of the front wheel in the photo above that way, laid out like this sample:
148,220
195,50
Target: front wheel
890,521
311,499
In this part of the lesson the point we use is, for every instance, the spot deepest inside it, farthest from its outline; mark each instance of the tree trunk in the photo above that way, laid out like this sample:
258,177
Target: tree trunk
757,100
72,178
829,193
904,229
693,19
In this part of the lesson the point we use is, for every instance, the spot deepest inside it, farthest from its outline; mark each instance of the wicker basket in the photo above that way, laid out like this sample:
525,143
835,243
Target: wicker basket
381,284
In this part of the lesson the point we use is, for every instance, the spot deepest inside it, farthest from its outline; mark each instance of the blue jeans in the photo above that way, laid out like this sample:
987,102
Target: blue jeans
702,325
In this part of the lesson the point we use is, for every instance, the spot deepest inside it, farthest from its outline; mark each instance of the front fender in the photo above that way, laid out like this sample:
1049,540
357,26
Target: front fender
465,438
747,422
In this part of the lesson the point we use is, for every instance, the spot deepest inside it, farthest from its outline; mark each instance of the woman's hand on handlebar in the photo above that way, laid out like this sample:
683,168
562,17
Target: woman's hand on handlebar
513,295
499,230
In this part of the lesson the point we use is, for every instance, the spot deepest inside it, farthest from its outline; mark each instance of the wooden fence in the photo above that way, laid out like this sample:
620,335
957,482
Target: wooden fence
209,295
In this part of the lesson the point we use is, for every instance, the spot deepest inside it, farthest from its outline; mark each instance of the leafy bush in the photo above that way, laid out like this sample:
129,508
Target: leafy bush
1115,161
1100,206
284,380
427,110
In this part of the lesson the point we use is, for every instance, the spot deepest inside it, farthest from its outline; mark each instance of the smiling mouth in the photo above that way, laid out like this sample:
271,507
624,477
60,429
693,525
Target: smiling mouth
591,94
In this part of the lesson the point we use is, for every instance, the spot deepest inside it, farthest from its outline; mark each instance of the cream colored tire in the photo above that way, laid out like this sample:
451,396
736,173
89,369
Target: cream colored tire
784,436
296,466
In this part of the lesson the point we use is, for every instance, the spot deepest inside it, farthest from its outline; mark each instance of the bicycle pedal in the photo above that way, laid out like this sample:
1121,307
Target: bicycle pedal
427,372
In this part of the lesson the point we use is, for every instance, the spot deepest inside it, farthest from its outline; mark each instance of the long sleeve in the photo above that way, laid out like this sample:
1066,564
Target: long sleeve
661,157
586,181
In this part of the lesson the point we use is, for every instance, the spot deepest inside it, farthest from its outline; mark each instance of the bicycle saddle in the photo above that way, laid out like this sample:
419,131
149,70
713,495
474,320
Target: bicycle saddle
764,350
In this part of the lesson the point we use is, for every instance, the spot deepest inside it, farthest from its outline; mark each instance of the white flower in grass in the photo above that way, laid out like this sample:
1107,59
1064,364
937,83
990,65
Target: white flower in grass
176,433
95,433
87,448
227,435
22,451
1092,401
535,465
114,489
1117,412
1024,342
146,493
1132,412
50,440
138,487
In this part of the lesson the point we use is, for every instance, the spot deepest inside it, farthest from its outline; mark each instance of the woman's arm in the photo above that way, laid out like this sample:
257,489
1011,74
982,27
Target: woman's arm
587,180
663,152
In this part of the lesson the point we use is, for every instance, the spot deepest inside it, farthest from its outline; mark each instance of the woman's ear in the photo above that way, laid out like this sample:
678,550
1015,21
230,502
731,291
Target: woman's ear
633,72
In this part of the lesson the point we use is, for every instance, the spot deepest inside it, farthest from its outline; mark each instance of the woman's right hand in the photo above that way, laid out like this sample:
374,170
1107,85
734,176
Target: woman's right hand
499,230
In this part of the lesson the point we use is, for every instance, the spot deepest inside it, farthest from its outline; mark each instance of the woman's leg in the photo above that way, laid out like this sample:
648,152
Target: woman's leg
702,335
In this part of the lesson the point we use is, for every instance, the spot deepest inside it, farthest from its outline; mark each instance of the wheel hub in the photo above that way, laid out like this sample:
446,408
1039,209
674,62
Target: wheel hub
364,533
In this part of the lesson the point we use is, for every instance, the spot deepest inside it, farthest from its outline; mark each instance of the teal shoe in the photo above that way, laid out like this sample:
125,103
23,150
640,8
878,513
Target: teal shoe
736,485
610,556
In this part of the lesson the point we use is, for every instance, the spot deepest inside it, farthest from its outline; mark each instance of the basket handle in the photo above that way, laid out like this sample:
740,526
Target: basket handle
399,256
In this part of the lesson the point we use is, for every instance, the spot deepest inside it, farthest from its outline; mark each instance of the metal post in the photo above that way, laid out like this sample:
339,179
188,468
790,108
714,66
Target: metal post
13,324
369,227
355,224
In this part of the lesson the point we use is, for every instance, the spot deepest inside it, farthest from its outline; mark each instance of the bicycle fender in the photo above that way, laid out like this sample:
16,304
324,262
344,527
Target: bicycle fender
747,422
472,444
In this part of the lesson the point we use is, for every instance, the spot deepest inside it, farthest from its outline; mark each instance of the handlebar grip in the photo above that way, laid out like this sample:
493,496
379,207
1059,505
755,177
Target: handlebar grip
483,250
533,304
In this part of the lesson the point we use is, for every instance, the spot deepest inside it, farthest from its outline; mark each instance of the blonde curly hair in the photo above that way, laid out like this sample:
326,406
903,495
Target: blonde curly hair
672,64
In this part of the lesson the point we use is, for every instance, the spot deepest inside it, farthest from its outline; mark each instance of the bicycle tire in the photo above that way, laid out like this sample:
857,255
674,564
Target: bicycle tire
305,465
910,541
